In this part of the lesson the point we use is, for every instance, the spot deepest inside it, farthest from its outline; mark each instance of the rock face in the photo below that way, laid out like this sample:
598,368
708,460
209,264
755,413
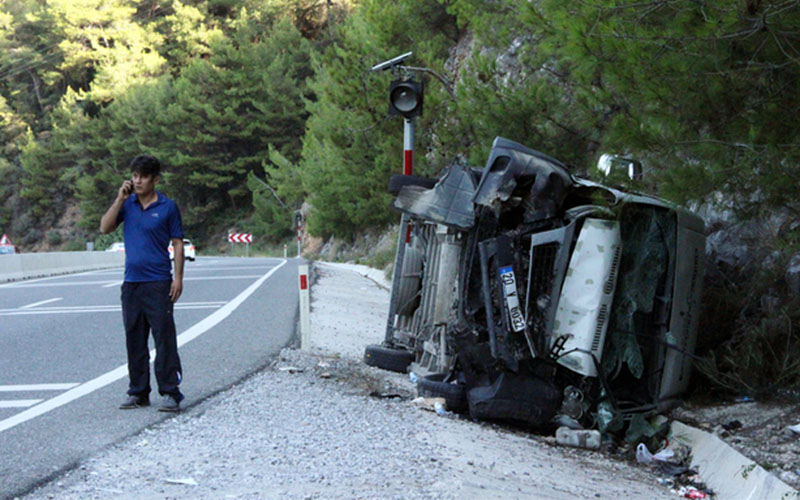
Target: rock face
793,275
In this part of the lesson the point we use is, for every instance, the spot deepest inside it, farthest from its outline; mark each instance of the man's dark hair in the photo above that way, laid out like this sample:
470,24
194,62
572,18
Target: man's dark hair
146,165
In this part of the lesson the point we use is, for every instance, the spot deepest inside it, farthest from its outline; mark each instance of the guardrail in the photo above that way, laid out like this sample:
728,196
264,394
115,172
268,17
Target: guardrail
36,265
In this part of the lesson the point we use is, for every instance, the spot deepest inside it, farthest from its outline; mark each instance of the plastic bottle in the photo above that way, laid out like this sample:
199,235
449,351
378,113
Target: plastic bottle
579,438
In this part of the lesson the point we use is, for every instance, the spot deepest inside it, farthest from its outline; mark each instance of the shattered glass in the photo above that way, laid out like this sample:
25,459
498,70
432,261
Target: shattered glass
647,236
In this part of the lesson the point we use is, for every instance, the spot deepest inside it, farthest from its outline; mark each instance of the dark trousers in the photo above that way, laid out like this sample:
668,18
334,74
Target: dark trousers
146,306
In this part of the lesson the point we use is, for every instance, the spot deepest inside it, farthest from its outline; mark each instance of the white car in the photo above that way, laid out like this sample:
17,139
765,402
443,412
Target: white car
116,247
188,250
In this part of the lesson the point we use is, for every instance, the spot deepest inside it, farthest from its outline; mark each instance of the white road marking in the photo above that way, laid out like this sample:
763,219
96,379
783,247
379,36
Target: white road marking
42,303
100,308
19,403
36,387
116,283
198,269
122,370
203,278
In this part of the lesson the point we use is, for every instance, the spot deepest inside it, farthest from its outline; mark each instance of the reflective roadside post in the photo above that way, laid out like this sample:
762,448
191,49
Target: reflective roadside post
305,324
405,99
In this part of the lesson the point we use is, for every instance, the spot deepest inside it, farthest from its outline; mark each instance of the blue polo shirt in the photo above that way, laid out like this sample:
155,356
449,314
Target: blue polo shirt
147,234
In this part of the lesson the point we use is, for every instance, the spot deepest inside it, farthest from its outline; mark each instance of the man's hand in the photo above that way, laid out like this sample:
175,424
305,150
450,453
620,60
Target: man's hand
125,190
109,221
177,282
175,290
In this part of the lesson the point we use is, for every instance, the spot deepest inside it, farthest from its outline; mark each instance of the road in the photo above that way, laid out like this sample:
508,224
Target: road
62,356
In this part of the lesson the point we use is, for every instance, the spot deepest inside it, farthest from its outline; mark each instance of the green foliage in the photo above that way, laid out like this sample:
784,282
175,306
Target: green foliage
351,148
103,241
54,238
237,89
752,330
12,137
277,198
77,245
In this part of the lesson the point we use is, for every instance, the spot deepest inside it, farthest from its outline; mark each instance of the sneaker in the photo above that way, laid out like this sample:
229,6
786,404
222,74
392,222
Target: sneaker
170,404
132,401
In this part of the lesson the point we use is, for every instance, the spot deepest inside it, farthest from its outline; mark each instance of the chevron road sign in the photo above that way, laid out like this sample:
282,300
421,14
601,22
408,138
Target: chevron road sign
240,238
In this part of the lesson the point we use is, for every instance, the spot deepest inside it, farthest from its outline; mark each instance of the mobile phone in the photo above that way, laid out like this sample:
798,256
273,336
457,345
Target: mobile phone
129,188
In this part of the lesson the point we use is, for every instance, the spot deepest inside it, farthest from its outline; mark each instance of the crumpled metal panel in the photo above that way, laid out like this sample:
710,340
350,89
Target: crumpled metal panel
587,294
542,182
448,203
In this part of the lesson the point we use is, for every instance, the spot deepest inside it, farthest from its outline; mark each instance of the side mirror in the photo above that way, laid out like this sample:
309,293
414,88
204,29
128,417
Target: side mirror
614,166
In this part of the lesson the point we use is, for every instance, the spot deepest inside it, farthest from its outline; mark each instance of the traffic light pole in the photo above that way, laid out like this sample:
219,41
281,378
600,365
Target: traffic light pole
404,234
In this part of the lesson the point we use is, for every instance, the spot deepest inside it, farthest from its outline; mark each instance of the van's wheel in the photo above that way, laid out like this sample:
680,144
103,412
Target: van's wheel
397,181
395,360
454,394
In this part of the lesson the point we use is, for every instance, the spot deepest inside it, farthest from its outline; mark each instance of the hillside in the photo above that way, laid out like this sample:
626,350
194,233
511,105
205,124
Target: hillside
259,106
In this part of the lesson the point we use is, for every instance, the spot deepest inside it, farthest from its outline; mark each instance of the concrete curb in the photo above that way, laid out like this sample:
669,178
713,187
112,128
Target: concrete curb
36,265
730,474
370,273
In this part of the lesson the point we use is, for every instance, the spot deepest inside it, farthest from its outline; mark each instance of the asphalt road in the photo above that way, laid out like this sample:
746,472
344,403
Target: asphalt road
62,356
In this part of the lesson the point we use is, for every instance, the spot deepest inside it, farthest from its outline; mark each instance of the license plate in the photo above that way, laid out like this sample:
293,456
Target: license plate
512,299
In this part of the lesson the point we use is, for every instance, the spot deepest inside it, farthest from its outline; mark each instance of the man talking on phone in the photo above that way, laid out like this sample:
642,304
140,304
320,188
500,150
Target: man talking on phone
149,291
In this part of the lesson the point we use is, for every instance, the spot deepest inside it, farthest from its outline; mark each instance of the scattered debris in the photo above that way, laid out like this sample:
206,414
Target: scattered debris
690,492
386,395
578,438
325,375
644,456
428,403
290,369
185,481
795,428
732,425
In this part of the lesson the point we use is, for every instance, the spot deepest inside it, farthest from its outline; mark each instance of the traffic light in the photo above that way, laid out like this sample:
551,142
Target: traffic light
405,98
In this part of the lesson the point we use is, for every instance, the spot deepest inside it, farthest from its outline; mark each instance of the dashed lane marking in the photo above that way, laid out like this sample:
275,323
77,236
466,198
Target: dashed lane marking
36,387
29,306
19,403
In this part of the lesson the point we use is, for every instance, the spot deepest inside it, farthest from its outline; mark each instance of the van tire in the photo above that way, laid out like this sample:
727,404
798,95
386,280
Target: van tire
395,360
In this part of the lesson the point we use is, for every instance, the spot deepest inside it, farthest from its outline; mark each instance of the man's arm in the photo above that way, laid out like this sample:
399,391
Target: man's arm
109,221
177,281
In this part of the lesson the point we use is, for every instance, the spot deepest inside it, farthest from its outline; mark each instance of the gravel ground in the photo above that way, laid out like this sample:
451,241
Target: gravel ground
321,424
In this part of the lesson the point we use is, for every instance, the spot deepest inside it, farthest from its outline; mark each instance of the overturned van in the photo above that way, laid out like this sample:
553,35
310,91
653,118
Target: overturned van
525,293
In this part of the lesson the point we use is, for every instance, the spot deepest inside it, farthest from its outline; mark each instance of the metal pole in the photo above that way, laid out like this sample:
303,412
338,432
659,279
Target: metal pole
404,234
408,146
299,226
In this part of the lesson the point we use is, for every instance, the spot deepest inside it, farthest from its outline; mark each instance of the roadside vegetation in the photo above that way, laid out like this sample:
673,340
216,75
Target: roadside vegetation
259,106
